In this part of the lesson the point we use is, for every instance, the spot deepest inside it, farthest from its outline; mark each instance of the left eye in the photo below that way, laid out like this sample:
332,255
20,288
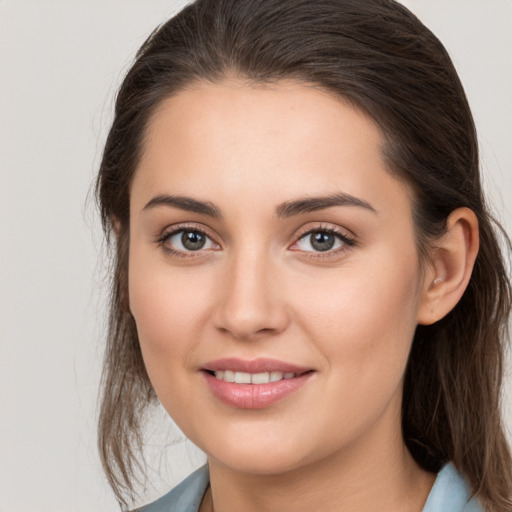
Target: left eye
189,240
320,241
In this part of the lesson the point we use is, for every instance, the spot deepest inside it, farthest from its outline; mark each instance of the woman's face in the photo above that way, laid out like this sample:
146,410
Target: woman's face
270,246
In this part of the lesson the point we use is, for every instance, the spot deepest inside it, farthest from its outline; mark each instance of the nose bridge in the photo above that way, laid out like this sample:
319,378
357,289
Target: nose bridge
250,302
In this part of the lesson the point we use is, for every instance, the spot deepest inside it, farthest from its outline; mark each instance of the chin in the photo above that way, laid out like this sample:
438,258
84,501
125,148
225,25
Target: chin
259,464
258,455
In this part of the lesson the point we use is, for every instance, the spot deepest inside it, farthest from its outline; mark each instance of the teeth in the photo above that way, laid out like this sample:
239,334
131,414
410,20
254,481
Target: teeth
229,376
274,376
242,378
260,378
252,378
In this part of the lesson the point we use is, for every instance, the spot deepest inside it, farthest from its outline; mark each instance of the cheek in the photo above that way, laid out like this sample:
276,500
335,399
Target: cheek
170,308
364,324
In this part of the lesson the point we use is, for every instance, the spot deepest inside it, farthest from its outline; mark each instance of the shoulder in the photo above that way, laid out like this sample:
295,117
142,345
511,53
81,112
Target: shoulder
186,497
451,493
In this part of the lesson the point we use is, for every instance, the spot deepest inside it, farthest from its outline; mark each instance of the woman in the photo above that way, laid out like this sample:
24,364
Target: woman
306,274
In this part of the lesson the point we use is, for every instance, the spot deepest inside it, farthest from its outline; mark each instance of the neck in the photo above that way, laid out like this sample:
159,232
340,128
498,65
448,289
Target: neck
379,476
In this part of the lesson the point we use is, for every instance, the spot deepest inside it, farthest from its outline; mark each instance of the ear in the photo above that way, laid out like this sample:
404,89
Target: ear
452,261
116,226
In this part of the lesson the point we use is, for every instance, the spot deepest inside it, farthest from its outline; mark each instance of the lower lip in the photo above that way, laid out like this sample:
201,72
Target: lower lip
254,396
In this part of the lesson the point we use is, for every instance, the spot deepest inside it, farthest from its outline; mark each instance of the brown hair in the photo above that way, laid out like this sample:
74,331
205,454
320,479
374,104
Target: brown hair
383,60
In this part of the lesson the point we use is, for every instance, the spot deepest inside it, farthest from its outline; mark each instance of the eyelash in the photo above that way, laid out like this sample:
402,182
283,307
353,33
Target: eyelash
179,229
346,240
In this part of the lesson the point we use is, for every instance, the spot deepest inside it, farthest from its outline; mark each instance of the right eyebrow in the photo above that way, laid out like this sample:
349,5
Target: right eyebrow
185,203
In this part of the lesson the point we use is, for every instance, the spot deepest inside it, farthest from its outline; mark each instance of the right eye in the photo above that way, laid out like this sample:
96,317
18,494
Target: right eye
187,241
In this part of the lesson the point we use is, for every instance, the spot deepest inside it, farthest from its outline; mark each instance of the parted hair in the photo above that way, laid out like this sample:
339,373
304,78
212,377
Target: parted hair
377,56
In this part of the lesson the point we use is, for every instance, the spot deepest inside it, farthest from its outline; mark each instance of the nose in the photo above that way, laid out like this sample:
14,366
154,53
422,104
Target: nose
250,301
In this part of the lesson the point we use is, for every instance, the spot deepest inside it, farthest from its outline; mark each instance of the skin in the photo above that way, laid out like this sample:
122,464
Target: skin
260,290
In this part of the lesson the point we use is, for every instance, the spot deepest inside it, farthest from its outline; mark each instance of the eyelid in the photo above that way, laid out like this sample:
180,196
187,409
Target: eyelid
174,229
311,227
347,238
345,234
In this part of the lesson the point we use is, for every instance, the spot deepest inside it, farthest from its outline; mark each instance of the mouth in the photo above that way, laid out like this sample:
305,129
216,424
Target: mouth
254,384
239,377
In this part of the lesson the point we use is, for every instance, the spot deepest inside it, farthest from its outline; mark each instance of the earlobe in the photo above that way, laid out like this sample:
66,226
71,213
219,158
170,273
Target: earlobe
452,263
116,226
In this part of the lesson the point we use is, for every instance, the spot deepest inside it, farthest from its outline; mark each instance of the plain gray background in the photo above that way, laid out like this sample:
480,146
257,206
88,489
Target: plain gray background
60,64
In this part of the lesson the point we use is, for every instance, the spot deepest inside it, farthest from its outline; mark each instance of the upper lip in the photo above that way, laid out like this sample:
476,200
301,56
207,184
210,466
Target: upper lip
253,366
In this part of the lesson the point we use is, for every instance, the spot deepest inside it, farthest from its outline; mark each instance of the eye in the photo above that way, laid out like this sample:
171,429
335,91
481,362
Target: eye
322,240
187,240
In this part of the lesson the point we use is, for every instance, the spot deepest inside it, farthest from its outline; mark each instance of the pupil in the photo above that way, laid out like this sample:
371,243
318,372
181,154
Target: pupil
322,241
192,240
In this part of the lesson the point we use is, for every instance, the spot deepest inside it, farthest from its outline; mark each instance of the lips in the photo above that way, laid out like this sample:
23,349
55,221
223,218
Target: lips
253,384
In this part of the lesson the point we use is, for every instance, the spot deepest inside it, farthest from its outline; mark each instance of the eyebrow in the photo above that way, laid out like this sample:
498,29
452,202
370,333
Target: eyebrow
185,203
287,209
311,204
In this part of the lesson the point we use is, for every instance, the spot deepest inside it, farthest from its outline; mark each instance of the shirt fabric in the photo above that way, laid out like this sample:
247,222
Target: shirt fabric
450,493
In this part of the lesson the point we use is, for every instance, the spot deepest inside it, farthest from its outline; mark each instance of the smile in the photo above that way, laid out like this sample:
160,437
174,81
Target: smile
252,378
254,384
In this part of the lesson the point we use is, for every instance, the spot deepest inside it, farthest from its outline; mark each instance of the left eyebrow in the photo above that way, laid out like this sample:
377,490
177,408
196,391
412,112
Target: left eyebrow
311,204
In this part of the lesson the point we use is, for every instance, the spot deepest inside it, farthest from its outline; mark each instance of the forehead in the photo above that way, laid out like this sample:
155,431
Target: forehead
233,114
267,142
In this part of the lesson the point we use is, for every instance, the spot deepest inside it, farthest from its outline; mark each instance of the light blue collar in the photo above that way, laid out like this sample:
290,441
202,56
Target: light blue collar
451,493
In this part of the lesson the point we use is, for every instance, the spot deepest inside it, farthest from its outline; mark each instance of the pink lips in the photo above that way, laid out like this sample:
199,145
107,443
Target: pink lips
254,396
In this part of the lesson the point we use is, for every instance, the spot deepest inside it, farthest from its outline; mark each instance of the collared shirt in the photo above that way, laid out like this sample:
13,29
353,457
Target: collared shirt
450,493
